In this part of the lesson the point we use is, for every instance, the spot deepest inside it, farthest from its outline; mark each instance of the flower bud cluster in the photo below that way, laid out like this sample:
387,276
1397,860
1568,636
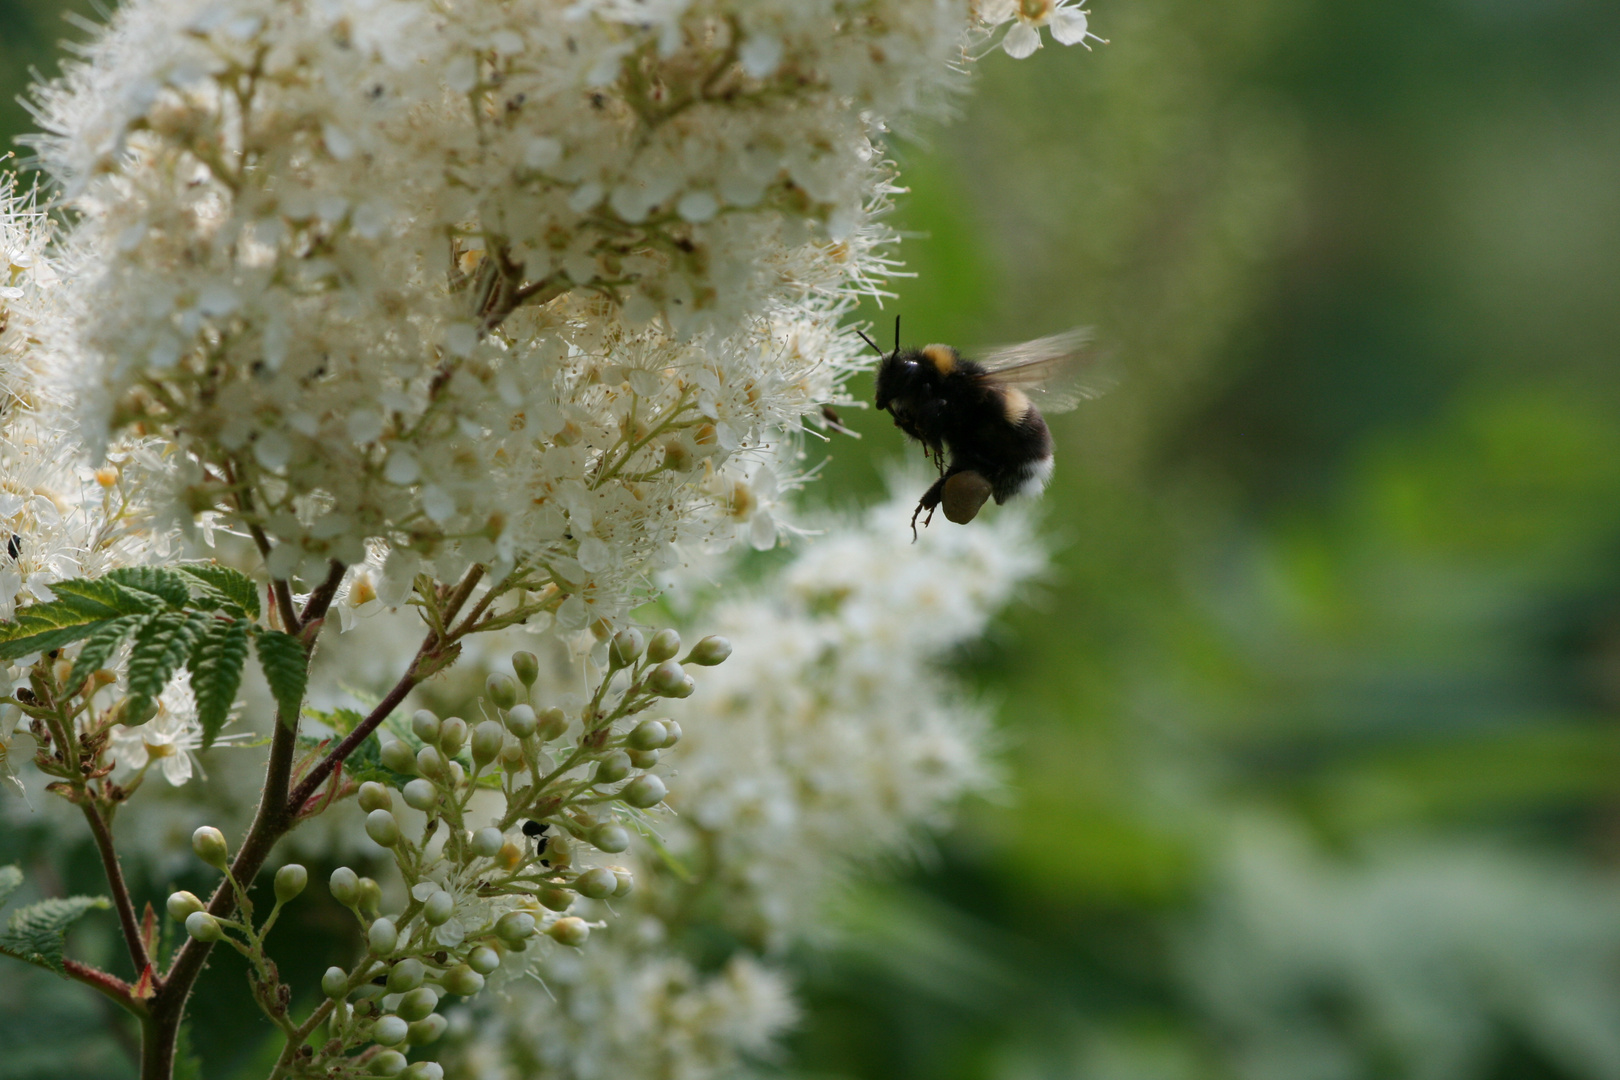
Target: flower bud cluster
572,785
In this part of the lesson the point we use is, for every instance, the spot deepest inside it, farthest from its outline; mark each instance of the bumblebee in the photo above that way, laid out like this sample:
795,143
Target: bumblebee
980,421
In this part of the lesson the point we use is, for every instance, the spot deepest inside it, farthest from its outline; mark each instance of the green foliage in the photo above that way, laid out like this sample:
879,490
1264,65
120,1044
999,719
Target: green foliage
194,616
35,933
216,666
286,669
161,647
236,592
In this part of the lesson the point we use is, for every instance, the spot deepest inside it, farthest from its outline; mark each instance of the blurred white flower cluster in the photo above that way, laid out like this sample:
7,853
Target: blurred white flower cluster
530,282
59,518
831,739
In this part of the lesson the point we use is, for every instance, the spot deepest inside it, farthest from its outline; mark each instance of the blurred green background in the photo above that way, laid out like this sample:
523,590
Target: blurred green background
1313,769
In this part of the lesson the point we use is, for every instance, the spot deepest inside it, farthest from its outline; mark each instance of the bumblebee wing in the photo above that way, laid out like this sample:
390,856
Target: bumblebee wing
1058,372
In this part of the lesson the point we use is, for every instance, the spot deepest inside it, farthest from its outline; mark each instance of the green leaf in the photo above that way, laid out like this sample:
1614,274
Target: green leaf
100,645
234,587
160,581
217,660
99,598
34,631
286,669
161,648
35,933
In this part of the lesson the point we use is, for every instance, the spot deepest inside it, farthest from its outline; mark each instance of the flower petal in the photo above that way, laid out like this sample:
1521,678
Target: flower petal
1021,41
1069,26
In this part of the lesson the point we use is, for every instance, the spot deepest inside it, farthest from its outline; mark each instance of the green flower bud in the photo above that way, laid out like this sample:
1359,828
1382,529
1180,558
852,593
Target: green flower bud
512,754
647,735
644,759
569,931
484,960
369,897
182,903
553,722
209,844
598,883
335,983
515,926
625,881
527,667
425,726
501,690
666,678
345,886
388,1063
423,1070
418,1003
396,754
382,937
487,740
406,976
375,796
452,733
389,1030
710,651
486,842
382,828
427,1030
429,761
290,881
685,688
420,794
674,730
644,791
463,981
203,926
458,775
665,644
626,647
613,768
556,899
521,721
610,838
438,908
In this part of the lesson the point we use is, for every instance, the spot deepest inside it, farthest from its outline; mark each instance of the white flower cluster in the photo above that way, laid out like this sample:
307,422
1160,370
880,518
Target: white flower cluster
58,517
533,281
829,739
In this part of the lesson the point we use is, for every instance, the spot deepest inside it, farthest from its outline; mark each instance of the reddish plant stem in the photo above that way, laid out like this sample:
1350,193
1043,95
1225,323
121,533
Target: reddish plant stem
115,883
115,989
166,1009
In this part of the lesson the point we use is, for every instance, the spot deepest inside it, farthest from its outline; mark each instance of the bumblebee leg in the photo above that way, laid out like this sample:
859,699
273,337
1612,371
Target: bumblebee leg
929,502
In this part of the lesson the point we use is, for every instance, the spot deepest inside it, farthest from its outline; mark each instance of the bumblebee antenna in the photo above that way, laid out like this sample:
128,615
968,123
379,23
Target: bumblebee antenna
872,343
897,335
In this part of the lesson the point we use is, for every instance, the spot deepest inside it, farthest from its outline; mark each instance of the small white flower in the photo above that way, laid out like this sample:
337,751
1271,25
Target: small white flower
1065,18
171,738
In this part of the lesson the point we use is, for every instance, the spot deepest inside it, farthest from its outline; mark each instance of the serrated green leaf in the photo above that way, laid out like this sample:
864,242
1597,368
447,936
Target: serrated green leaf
217,660
101,598
161,648
160,581
233,586
100,645
37,635
286,669
11,879
35,933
